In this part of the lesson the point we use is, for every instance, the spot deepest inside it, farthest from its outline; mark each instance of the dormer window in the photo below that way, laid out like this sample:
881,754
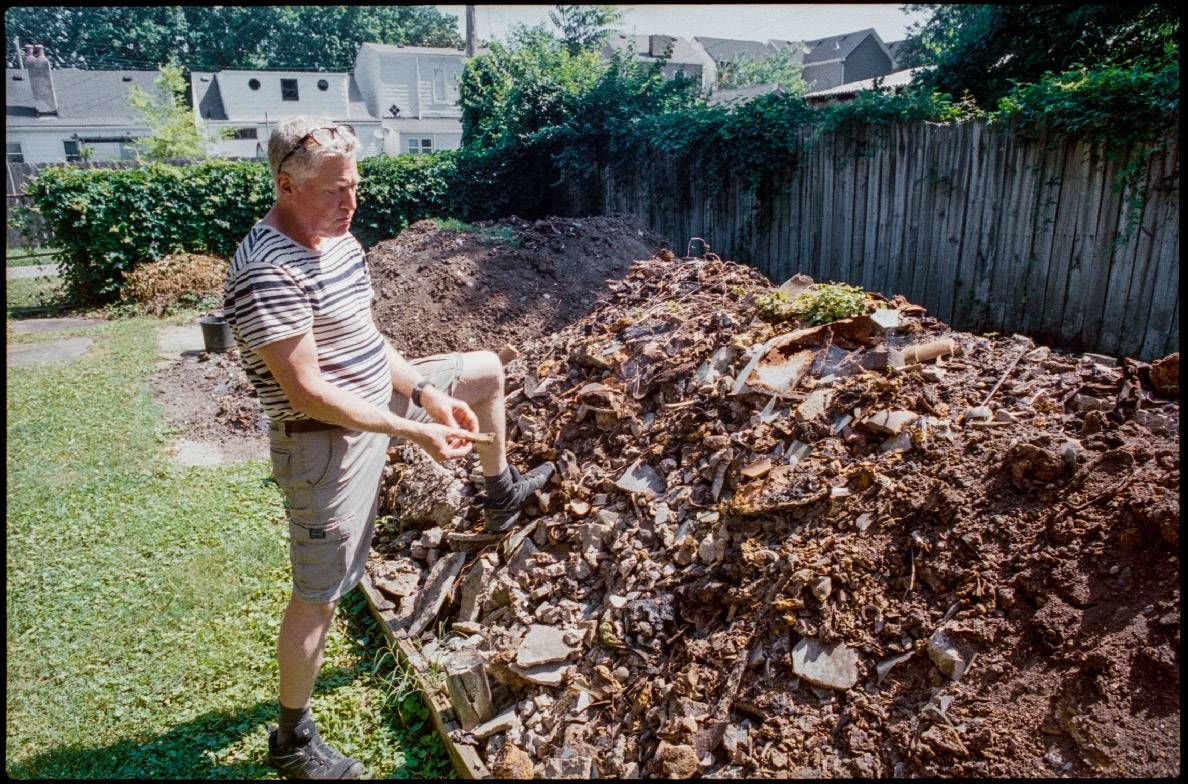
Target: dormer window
289,89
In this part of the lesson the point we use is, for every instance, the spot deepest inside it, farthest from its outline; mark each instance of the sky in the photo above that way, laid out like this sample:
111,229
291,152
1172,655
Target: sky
754,22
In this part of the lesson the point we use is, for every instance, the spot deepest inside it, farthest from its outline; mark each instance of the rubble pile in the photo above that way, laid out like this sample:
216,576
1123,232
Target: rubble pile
875,547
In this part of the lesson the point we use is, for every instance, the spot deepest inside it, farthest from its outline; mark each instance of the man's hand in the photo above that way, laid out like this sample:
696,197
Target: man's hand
449,411
440,441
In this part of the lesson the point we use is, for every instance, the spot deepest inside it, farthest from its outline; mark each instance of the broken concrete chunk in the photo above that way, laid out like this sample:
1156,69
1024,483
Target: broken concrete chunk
828,666
544,675
542,645
977,414
505,721
897,443
641,478
944,654
890,422
568,768
677,762
512,762
887,318
437,587
815,404
399,585
477,579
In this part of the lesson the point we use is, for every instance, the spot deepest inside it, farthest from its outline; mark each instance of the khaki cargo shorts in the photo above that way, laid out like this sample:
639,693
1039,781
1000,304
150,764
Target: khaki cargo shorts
331,481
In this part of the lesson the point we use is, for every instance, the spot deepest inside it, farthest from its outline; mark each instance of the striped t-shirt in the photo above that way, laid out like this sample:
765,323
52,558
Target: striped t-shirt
277,288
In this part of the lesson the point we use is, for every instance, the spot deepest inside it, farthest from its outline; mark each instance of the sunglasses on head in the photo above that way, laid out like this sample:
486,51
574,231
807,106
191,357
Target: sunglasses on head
319,136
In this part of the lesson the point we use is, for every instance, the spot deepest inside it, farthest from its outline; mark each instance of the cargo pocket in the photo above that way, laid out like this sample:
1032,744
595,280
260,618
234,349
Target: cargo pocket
320,555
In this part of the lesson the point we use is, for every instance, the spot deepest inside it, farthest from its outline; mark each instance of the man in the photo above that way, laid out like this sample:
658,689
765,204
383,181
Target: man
298,298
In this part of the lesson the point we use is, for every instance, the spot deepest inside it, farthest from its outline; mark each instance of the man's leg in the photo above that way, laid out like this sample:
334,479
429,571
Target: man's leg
480,385
300,649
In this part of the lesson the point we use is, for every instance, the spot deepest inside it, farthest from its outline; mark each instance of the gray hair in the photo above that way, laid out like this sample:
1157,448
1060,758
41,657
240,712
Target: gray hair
308,157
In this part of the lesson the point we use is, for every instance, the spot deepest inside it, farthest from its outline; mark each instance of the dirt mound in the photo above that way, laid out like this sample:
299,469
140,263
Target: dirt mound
872,548
442,289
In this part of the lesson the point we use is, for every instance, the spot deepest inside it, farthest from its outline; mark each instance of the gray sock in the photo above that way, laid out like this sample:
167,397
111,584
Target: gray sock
499,487
289,719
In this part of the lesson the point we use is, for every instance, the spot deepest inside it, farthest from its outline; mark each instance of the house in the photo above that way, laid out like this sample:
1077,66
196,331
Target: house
895,48
839,59
827,62
681,55
896,81
53,115
249,104
414,90
742,95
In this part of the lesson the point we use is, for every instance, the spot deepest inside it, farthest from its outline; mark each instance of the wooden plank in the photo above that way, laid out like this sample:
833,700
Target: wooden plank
1100,254
1081,252
465,758
927,147
1053,280
1166,265
1021,217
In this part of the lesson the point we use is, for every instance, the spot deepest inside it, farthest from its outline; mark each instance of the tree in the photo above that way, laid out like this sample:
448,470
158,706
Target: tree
783,68
216,37
986,49
584,27
174,133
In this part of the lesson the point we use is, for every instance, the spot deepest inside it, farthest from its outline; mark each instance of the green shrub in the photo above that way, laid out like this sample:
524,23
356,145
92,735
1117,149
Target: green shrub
828,302
109,221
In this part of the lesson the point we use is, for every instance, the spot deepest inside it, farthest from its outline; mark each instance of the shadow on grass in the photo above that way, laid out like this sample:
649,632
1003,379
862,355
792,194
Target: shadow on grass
191,750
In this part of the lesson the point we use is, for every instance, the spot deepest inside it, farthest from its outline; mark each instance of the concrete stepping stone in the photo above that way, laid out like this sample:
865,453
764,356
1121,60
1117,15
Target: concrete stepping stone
180,340
32,271
37,326
48,352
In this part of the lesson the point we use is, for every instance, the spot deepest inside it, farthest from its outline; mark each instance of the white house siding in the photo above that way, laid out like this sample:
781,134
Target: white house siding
242,103
446,133
45,145
397,78
252,148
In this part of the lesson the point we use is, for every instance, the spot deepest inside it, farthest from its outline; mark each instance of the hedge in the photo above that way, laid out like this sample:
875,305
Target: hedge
109,221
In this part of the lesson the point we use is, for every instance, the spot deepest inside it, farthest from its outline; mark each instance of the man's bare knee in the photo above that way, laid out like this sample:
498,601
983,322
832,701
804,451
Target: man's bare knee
483,375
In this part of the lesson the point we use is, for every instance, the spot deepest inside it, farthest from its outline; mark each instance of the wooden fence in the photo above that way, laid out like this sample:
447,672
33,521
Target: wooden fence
989,231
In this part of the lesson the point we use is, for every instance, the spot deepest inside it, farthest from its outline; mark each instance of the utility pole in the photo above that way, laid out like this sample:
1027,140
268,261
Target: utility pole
470,31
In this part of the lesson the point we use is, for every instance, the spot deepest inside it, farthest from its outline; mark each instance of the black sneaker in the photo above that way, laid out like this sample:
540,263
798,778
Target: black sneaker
308,757
504,516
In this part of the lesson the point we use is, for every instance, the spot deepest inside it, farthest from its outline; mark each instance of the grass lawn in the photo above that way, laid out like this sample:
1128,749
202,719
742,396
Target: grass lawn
143,599
27,257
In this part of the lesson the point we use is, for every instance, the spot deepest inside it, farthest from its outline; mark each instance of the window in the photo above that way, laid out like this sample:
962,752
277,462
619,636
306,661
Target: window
243,133
420,145
323,85
439,91
254,84
14,153
289,90
73,153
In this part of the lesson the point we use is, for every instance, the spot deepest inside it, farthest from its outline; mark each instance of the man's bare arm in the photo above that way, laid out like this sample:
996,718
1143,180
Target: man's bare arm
294,363
404,375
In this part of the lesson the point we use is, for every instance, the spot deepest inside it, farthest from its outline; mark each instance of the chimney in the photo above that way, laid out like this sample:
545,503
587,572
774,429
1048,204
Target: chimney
41,81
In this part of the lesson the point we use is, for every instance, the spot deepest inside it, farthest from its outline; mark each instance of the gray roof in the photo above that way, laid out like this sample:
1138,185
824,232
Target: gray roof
729,50
84,97
896,80
893,47
742,95
683,51
207,96
835,47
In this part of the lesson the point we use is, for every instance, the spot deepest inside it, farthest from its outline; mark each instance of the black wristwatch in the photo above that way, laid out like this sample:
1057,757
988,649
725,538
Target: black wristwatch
416,392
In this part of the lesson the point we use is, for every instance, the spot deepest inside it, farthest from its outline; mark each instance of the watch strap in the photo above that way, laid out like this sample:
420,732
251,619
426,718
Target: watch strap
416,392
